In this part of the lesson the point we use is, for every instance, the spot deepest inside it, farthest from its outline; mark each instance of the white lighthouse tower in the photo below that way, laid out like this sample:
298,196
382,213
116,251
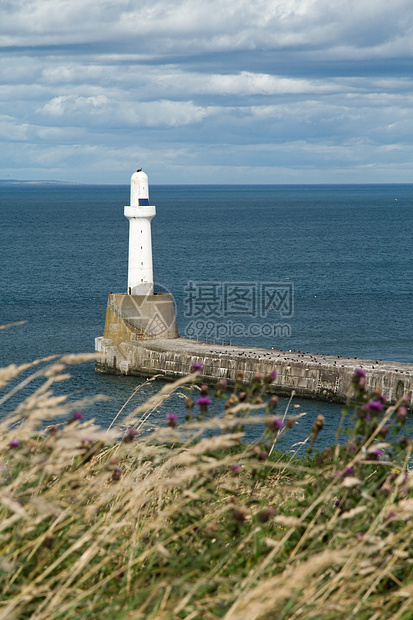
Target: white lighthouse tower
140,214
140,314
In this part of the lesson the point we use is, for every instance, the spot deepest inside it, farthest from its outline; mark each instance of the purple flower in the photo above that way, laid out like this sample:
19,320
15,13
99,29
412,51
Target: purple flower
172,419
130,435
197,366
14,443
221,385
76,417
374,406
359,372
375,454
270,377
401,416
276,425
235,470
204,401
348,471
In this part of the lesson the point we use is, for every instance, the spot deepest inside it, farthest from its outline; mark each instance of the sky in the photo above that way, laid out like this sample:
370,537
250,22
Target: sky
211,91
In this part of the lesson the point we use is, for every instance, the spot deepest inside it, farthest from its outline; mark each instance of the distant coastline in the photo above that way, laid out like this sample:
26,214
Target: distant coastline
18,182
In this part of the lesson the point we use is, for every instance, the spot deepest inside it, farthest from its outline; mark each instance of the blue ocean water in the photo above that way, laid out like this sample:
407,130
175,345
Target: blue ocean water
346,251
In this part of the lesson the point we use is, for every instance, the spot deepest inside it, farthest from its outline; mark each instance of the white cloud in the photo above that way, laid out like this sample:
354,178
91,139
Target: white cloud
100,110
87,84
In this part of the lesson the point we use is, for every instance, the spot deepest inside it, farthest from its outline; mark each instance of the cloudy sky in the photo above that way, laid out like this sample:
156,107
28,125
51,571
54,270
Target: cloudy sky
211,91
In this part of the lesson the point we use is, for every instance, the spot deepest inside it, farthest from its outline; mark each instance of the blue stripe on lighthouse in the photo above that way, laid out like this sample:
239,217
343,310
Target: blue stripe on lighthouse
143,202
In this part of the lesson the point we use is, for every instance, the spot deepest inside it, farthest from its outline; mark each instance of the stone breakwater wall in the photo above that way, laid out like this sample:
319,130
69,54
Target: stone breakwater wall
320,377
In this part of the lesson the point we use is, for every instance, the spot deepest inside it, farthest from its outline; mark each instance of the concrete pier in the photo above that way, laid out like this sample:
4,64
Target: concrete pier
320,377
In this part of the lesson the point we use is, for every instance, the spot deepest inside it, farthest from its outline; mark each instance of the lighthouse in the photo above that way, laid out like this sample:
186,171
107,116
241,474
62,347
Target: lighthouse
140,314
140,213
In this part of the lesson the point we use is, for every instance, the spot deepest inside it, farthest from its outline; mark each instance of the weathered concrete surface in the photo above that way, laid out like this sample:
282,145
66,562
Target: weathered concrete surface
137,317
321,377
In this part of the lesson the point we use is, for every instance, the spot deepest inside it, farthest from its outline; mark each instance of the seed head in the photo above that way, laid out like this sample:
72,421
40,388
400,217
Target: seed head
404,442
116,474
318,424
266,514
273,402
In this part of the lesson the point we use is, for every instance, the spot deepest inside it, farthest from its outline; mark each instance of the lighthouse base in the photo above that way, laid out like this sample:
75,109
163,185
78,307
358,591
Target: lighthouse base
131,318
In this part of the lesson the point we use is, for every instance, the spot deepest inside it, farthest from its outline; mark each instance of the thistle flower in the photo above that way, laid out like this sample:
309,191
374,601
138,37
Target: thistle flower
235,470
130,435
77,416
272,403
239,515
375,454
221,386
270,377
116,474
401,415
172,419
13,443
275,425
404,442
373,406
204,402
266,514
384,431
197,367
358,375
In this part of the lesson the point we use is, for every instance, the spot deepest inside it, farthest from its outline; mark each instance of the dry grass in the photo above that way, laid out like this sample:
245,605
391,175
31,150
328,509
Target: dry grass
181,523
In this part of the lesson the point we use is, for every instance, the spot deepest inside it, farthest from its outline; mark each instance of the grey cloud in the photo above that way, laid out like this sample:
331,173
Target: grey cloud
297,89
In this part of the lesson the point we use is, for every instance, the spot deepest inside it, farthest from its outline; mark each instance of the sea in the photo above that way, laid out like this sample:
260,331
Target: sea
317,268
